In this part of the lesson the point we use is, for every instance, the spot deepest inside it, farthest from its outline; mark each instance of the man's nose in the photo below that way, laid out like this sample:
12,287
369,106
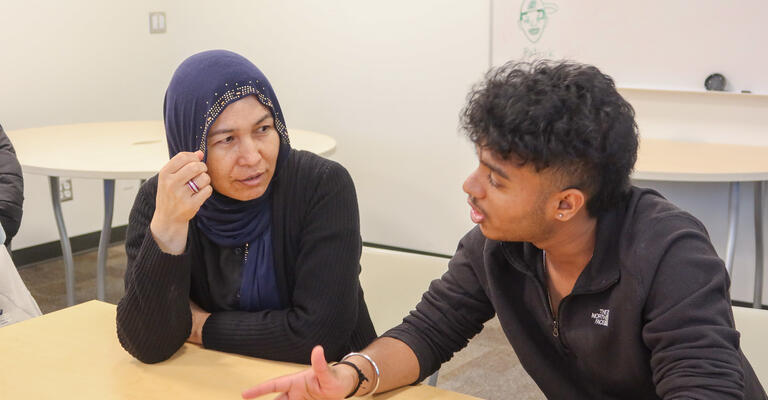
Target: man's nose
472,185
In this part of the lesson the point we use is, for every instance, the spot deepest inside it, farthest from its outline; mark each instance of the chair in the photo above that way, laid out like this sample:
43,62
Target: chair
393,283
752,323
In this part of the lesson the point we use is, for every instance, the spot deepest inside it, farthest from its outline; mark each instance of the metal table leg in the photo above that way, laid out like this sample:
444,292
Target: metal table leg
733,217
758,300
66,247
106,231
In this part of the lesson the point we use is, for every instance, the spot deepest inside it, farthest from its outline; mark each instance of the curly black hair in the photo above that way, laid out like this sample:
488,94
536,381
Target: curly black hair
561,115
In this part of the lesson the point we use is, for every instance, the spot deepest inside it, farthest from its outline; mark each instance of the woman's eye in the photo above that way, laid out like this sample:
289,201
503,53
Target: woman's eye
227,139
263,128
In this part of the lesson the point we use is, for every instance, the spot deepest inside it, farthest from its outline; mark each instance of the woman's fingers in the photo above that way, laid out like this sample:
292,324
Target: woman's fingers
178,199
180,160
202,195
201,181
188,171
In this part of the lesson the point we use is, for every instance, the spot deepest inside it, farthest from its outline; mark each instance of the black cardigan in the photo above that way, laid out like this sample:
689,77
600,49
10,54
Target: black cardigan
316,243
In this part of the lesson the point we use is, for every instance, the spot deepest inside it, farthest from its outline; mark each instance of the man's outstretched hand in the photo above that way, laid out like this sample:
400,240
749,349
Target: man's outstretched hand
320,382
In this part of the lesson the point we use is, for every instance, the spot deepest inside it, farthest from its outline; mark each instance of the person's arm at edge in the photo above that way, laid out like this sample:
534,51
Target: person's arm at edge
12,183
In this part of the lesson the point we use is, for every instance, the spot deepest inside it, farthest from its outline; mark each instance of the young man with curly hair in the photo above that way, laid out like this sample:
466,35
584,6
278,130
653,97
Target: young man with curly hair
604,290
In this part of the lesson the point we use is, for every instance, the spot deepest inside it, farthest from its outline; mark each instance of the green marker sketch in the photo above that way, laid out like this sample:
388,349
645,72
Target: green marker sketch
534,15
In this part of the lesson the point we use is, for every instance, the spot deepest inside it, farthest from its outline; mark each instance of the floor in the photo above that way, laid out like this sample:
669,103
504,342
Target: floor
487,368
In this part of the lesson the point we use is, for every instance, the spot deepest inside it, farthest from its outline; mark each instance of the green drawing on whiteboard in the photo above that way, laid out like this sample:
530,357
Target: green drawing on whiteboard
534,15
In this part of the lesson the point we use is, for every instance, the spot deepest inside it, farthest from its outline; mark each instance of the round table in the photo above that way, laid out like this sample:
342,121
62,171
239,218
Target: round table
109,151
677,161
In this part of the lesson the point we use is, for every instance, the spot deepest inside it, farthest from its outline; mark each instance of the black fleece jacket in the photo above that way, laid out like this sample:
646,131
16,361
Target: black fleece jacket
649,317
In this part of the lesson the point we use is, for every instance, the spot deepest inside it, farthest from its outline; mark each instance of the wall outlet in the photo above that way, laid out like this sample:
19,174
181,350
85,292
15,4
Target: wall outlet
65,189
157,22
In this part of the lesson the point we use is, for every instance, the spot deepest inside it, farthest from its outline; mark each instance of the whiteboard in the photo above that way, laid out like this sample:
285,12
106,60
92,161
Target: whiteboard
647,44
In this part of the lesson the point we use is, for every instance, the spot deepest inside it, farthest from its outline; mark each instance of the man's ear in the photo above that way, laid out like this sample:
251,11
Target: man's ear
570,202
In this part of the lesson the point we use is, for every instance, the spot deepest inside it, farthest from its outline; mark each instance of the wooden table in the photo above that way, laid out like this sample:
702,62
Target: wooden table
74,353
108,151
668,160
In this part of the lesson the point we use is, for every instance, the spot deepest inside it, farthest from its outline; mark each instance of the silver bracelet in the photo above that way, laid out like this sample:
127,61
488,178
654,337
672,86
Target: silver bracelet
375,369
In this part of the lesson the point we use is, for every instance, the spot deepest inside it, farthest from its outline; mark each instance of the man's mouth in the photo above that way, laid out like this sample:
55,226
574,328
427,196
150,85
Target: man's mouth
475,214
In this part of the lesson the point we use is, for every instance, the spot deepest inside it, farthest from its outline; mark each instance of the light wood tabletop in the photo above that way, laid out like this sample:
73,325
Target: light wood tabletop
74,353
670,160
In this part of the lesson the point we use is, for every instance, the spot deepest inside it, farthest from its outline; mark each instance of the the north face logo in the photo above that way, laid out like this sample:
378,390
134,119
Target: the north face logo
601,318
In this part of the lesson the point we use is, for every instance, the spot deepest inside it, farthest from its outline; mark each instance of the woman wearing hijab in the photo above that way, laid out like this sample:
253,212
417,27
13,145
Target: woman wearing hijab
240,243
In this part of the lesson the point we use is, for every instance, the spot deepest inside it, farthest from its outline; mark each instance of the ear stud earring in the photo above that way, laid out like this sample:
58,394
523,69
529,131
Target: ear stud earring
560,215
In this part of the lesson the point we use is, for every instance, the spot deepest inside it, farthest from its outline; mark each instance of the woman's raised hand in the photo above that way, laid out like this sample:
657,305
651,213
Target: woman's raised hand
177,202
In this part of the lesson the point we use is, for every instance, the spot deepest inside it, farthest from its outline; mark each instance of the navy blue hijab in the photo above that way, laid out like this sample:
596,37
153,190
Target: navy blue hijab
201,88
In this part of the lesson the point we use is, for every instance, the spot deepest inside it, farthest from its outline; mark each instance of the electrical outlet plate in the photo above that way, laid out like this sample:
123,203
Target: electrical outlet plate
157,22
65,189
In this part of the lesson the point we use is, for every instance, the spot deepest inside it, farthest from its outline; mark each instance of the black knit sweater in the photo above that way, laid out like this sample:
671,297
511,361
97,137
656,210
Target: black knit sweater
316,246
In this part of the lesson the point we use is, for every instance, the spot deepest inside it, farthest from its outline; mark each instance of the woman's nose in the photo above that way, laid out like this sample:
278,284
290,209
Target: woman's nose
250,152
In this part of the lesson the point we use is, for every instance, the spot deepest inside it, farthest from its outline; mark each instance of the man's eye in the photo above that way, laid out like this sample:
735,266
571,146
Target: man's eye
492,181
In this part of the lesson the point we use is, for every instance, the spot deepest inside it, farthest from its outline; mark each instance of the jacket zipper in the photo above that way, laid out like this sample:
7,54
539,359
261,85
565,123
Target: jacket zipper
548,300
245,257
555,324
555,328
548,304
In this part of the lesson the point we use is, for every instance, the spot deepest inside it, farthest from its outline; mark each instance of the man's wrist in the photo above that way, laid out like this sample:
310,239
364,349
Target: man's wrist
349,376
369,369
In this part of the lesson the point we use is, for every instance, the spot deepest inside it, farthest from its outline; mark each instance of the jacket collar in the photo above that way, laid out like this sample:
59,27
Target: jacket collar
601,272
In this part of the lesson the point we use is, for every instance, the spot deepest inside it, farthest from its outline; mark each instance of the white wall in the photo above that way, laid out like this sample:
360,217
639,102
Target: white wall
387,80
77,61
